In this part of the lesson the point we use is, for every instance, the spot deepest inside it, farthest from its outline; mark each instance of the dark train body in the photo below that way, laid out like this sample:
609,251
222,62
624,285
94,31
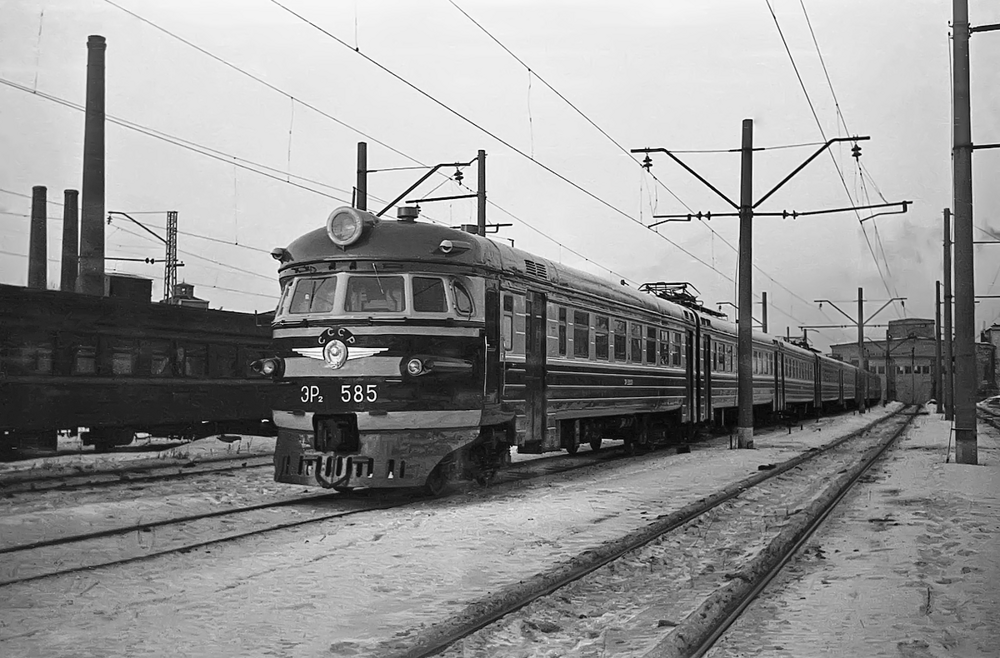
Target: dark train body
120,366
410,353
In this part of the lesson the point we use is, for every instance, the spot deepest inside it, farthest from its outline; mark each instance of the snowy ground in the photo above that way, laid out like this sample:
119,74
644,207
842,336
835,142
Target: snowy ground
908,566
88,461
338,588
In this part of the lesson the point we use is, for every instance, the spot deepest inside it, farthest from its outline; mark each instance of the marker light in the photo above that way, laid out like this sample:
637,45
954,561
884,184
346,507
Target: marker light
345,225
271,366
414,367
335,353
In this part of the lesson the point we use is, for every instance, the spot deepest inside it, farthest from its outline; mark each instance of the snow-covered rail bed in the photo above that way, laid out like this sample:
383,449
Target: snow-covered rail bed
345,587
58,532
671,588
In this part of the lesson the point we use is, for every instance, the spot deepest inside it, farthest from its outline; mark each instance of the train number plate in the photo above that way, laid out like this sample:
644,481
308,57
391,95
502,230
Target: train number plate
356,393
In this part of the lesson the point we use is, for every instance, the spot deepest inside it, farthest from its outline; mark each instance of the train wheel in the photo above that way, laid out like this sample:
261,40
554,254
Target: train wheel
573,448
436,481
595,444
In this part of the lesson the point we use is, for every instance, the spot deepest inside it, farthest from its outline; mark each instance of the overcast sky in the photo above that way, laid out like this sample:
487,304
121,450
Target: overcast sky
680,75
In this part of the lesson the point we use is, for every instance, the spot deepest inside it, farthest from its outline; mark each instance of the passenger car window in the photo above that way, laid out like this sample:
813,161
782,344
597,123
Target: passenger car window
84,358
32,356
160,364
601,338
124,354
581,334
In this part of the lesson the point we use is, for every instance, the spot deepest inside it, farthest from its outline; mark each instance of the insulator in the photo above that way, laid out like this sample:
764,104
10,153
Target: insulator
647,163
458,175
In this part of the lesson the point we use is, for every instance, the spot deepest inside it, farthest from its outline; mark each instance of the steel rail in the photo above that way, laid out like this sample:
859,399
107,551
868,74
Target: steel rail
488,613
579,462
139,472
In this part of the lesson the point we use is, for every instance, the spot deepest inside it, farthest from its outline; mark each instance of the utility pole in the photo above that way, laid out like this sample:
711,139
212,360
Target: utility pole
890,387
746,211
966,447
361,189
965,304
481,192
170,242
938,374
170,266
763,313
862,361
744,329
949,360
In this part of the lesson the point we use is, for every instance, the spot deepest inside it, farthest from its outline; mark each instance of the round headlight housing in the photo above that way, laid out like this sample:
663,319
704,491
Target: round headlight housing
345,225
335,353
268,367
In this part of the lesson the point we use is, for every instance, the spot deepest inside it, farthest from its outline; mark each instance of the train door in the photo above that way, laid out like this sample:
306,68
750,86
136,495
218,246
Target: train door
707,361
779,381
690,377
494,344
534,348
818,384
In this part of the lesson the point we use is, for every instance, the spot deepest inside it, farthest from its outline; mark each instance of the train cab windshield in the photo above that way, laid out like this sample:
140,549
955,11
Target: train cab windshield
344,294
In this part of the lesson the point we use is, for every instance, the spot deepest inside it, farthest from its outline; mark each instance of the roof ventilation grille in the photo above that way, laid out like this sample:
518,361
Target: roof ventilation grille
532,268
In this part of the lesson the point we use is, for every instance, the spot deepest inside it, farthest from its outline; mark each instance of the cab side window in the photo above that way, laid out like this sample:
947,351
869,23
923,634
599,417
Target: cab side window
428,295
507,322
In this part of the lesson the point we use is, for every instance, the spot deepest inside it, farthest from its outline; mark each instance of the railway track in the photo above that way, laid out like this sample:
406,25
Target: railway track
25,481
112,546
990,417
71,478
552,607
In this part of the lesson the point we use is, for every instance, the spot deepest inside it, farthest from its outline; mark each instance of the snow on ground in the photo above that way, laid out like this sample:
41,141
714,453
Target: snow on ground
909,565
89,461
339,587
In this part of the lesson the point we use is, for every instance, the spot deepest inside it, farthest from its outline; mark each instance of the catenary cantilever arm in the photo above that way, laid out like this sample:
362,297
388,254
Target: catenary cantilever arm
808,160
690,171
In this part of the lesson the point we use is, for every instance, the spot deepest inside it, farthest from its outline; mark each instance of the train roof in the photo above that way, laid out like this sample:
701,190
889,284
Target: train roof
27,304
388,240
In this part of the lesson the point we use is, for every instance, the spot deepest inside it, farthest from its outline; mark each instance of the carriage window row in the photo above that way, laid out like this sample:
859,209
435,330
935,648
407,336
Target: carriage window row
798,370
123,357
598,337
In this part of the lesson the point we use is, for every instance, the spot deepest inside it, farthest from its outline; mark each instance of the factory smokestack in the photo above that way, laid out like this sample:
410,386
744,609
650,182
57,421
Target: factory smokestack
92,218
37,239
70,243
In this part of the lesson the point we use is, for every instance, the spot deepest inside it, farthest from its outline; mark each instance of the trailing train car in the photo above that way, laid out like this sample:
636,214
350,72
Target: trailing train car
410,353
119,366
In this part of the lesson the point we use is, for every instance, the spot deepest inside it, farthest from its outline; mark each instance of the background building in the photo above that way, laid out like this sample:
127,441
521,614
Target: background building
906,361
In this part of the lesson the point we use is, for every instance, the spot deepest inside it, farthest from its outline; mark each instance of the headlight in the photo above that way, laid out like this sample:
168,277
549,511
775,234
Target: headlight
345,225
414,367
335,353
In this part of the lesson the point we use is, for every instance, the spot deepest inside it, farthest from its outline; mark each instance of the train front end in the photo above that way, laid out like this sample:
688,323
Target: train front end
380,354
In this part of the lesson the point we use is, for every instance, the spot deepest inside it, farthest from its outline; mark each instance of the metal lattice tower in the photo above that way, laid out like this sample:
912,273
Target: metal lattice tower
170,266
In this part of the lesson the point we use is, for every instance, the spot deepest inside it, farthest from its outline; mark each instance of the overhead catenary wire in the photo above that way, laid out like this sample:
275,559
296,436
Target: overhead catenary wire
632,156
494,136
300,102
819,124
